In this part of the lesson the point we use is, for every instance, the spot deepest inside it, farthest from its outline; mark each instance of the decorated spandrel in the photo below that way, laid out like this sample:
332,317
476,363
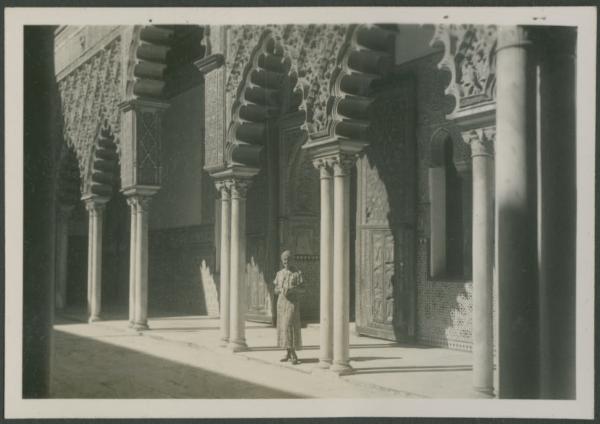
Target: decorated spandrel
470,57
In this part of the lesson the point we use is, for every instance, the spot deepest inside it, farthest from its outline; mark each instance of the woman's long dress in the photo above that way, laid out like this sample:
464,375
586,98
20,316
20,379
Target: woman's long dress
288,310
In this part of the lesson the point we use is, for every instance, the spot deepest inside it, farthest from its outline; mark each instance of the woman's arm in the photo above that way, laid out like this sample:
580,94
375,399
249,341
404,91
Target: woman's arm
277,288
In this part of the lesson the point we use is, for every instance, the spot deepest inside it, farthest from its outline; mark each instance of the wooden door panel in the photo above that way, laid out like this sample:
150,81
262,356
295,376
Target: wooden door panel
386,215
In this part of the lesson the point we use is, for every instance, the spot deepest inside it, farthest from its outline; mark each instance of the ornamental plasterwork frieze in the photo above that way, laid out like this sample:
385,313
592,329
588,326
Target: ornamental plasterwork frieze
312,49
90,95
470,57
242,42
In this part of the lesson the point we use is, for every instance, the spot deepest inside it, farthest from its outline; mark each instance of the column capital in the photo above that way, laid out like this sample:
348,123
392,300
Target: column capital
238,187
342,163
223,187
324,166
141,202
481,140
131,201
95,204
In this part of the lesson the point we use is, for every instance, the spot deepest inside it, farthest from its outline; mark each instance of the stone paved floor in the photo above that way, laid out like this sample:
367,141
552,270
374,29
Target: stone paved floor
180,357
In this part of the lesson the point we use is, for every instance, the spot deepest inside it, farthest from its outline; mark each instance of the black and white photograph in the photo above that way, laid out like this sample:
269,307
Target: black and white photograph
299,212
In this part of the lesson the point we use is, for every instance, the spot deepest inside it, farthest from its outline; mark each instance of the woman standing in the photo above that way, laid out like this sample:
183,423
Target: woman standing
289,286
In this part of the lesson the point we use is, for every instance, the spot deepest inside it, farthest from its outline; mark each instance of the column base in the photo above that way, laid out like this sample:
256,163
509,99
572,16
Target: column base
324,363
140,326
95,318
341,369
224,342
131,324
237,346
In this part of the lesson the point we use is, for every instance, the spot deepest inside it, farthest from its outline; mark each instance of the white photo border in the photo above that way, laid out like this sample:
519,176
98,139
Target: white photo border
584,18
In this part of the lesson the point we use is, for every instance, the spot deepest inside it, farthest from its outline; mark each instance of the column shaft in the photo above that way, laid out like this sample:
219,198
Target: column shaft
90,264
483,367
237,339
225,262
341,271
326,271
141,272
515,218
95,210
132,260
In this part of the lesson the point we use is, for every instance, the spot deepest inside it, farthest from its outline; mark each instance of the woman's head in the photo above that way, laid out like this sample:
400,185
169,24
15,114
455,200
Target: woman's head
286,258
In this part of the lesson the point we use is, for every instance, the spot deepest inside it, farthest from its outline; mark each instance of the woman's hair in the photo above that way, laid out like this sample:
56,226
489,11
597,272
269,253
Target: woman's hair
286,253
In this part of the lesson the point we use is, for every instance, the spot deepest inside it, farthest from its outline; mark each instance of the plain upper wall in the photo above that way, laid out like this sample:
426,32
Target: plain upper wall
183,196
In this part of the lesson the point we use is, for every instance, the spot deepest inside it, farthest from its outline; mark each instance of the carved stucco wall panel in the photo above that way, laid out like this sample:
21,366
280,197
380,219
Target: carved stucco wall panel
313,50
90,95
470,57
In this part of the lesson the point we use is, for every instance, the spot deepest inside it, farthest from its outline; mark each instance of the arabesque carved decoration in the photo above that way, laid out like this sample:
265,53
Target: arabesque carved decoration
313,51
90,95
242,41
470,57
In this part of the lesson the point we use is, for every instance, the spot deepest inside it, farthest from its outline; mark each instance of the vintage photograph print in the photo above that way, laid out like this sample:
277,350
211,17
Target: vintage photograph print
300,212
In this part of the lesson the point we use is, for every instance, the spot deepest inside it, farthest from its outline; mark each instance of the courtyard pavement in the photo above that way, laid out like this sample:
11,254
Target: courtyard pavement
180,357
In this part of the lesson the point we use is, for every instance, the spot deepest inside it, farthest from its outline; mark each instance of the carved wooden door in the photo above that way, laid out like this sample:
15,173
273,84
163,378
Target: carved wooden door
386,218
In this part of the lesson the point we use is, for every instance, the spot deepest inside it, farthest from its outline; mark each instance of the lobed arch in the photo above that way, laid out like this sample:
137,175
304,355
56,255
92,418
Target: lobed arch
103,166
159,60
267,92
137,62
366,59
274,84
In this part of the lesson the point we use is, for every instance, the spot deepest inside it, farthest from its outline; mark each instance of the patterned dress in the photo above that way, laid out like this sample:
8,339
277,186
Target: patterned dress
288,284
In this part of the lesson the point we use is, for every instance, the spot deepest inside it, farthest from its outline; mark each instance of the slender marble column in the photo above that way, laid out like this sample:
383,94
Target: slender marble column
132,258
90,264
326,271
342,165
237,336
516,263
481,142
141,262
62,253
225,262
95,210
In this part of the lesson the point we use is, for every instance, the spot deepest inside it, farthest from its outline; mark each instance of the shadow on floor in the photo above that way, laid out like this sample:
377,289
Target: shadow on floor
417,368
85,368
